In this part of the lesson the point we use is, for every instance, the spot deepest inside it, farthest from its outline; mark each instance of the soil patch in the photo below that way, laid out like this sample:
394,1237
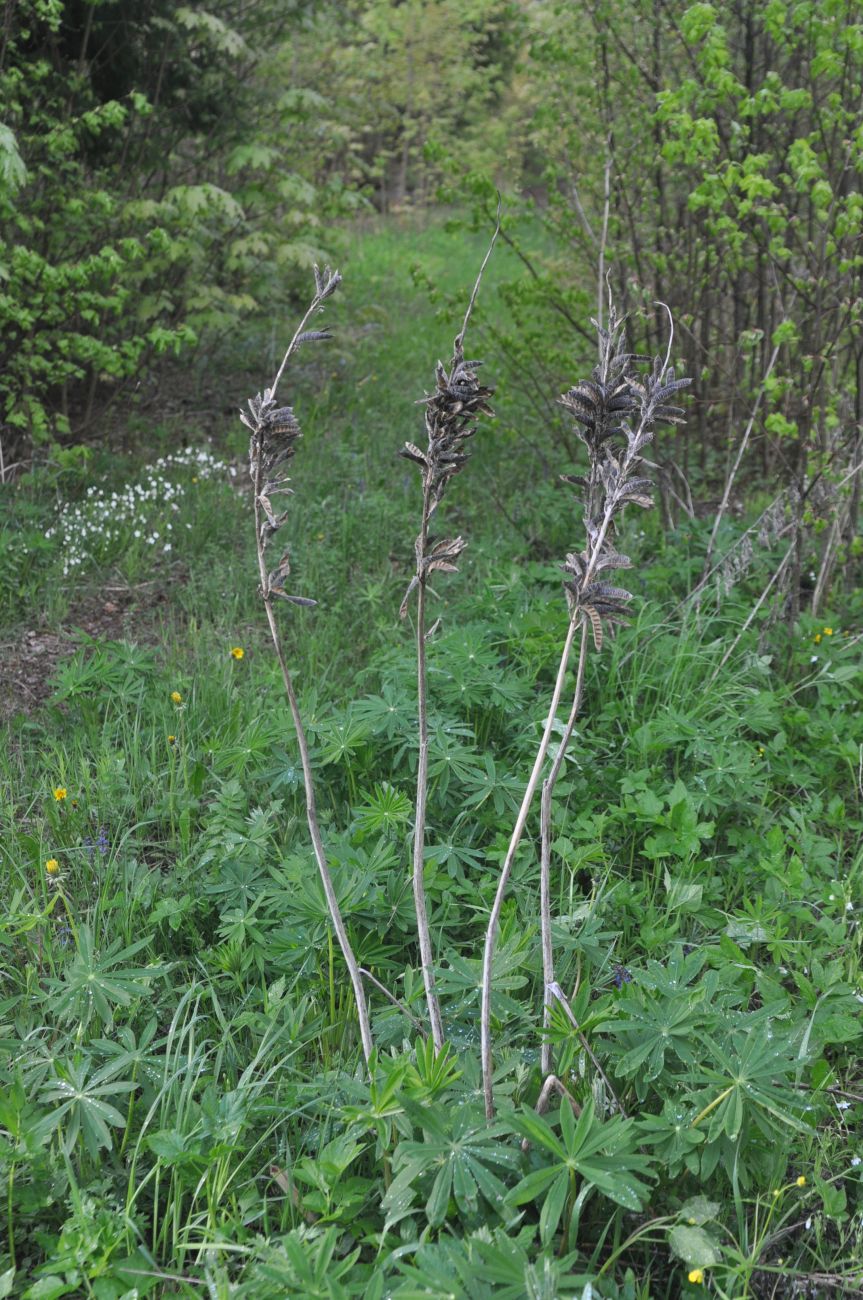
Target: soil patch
28,662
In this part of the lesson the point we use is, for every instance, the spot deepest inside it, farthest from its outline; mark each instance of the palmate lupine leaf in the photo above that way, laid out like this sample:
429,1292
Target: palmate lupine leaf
601,1154
461,1153
80,1106
498,1265
752,1078
97,983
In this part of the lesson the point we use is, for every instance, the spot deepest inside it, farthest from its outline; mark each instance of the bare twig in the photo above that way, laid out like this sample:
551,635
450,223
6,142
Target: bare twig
777,574
603,237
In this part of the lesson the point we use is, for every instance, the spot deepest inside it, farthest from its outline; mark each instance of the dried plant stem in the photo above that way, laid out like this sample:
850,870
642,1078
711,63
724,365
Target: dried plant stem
311,808
732,474
777,574
545,851
491,932
423,932
391,997
450,411
515,840
603,238
325,287
601,406
557,992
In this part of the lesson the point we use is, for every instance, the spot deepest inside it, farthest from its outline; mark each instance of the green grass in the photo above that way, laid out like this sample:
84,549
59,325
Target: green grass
183,1105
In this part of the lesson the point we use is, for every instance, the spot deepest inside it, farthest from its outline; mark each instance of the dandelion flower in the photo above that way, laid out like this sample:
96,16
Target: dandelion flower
176,697
817,637
172,740
696,1275
828,631
801,1181
60,793
52,866
237,651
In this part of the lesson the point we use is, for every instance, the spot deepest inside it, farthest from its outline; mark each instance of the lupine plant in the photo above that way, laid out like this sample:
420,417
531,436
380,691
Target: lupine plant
615,413
450,419
275,431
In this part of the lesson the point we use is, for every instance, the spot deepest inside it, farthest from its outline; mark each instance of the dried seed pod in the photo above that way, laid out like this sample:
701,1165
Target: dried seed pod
614,446
275,432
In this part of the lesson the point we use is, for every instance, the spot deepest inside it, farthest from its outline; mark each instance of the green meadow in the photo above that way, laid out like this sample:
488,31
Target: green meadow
185,1108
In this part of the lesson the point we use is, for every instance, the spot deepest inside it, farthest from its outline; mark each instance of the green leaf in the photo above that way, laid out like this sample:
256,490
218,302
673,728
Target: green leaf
533,1127
698,1210
438,1201
553,1207
693,1246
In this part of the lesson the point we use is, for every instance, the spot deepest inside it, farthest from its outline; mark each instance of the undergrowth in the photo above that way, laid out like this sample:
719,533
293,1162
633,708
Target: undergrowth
184,1105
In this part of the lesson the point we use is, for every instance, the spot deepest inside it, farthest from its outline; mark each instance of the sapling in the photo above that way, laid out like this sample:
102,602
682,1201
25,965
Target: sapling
615,413
275,431
450,420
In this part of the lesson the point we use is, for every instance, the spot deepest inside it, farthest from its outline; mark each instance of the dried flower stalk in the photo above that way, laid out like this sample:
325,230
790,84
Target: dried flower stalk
275,431
601,407
450,420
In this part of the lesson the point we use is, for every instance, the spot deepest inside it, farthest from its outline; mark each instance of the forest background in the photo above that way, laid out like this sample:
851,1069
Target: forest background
185,1105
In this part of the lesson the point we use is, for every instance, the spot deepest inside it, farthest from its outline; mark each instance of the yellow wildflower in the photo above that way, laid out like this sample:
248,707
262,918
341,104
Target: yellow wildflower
817,637
52,866
172,740
828,631
801,1181
237,652
176,697
60,793
696,1275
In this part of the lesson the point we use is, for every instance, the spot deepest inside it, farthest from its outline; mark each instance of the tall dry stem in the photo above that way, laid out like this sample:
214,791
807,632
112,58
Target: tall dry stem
506,869
602,407
548,786
450,419
274,433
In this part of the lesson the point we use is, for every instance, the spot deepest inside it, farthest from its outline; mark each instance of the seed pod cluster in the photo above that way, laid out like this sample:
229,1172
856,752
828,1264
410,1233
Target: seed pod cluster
616,412
451,417
275,432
